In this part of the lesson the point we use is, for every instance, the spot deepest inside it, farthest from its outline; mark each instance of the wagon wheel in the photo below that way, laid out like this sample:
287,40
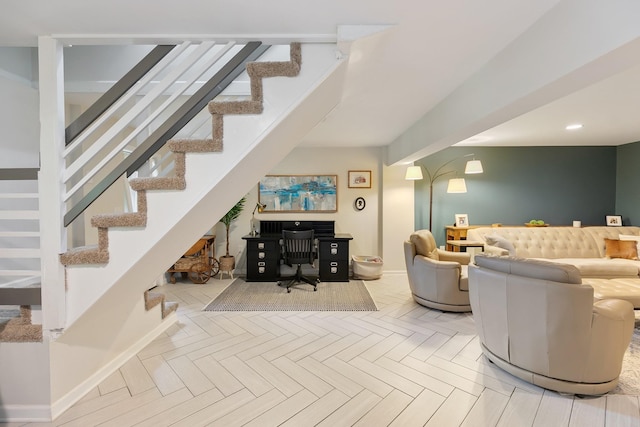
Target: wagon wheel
200,273
215,266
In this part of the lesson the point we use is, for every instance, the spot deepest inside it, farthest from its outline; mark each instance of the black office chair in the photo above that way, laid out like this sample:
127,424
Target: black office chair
298,249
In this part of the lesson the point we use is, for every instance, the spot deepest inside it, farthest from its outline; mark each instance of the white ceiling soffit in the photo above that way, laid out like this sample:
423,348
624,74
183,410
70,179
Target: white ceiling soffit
422,54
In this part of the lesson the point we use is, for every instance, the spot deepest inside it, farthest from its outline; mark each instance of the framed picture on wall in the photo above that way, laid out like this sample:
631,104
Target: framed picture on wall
462,220
299,193
614,220
359,179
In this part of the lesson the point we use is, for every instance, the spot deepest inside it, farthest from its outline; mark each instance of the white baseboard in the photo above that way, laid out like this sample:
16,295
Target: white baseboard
65,402
25,413
389,272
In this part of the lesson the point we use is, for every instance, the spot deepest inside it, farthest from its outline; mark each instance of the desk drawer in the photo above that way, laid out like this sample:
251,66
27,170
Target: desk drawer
333,250
334,271
263,260
268,245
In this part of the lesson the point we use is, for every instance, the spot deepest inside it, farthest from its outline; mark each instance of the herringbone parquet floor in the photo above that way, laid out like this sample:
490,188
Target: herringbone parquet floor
404,365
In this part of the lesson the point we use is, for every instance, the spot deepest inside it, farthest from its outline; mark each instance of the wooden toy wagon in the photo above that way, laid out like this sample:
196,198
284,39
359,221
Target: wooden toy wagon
199,263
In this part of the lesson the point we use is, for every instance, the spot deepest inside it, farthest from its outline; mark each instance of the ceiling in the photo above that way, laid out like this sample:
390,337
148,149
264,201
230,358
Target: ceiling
395,77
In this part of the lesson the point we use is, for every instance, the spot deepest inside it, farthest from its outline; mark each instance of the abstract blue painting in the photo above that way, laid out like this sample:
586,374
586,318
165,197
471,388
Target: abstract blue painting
299,193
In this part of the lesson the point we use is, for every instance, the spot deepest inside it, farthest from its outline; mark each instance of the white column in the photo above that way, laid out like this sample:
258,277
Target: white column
53,239
398,219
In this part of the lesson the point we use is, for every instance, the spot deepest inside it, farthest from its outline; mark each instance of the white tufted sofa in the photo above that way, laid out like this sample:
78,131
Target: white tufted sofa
582,247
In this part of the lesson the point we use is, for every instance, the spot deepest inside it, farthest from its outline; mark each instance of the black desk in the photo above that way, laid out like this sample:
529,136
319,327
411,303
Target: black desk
264,256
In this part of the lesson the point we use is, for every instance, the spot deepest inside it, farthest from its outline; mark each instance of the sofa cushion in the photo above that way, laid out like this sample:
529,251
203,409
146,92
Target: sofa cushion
627,289
533,268
634,238
626,249
500,242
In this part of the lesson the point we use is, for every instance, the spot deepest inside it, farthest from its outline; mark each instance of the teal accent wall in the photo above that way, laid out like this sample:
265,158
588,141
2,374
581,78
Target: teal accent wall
628,183
555,184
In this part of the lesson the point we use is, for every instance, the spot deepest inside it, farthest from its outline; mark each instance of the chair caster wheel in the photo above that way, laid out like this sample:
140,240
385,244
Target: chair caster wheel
315,289
288,290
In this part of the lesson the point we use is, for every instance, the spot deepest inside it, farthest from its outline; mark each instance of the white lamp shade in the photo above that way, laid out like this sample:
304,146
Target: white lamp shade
457,185
413,173
473,166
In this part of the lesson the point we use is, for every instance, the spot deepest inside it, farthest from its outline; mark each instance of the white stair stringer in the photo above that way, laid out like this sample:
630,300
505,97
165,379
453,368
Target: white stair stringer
104,314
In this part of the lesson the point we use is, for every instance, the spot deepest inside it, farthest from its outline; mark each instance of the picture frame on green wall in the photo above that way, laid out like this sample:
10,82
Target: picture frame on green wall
462,220
614,220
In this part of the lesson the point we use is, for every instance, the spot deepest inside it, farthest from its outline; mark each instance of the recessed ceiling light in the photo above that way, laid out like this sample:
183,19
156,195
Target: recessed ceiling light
574,127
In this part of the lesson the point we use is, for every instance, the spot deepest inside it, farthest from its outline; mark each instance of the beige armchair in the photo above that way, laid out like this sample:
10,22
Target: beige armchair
537,321
437,278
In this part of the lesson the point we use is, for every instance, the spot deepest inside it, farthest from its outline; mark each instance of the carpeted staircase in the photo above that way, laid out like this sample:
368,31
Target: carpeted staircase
99,254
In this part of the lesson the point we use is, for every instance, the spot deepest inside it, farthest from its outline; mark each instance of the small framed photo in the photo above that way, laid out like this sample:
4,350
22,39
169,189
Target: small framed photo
462,220
614,220
359,179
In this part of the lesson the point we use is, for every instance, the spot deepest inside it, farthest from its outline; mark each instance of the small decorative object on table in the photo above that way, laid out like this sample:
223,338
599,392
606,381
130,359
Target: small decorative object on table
536,223
254,227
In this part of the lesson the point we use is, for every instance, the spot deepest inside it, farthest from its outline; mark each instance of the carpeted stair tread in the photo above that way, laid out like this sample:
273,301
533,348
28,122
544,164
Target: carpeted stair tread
127,219
162,183
235,107
169,307
175,182
151,299
19,328
85,255
21,333
195,145
92,254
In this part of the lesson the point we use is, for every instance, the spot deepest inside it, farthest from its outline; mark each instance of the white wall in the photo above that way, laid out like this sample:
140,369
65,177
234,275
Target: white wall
398,220
20,124
368,227
19,63
24,389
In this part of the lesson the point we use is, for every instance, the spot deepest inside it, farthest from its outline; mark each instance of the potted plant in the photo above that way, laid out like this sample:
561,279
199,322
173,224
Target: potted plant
228,261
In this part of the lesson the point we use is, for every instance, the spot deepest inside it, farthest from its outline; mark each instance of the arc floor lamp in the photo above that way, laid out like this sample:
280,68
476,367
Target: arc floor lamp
456,185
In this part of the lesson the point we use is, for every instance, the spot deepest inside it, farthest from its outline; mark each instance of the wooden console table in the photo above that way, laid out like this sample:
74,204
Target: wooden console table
457,234
462,245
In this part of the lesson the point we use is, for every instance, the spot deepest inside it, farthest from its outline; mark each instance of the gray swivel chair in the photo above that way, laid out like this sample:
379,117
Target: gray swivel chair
298,248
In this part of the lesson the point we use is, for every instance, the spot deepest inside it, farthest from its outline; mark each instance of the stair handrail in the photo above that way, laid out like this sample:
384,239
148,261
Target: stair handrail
105,139
116,92
213,87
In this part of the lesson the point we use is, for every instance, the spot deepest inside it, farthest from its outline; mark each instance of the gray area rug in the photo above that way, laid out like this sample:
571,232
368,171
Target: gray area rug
629,382
268,296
